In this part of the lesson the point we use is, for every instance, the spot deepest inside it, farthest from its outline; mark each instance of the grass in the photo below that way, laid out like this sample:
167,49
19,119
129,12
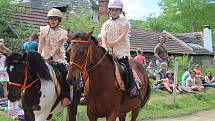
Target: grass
160,105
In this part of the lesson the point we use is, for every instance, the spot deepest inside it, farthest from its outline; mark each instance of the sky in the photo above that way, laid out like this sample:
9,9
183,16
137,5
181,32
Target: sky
138,9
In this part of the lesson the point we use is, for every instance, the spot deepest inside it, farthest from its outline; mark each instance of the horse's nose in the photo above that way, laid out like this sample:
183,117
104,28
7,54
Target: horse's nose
12,98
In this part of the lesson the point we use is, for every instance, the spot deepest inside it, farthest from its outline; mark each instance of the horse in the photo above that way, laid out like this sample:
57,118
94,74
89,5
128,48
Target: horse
32,82
104,99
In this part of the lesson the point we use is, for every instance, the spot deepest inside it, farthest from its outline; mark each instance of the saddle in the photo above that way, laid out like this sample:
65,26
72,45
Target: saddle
121,73
55,80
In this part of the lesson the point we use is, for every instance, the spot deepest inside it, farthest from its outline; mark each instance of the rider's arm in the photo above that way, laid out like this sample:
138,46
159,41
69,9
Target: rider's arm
41,44
59,44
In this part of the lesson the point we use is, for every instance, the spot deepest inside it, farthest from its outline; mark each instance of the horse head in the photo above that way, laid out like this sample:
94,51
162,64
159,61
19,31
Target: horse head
24,70
15,64
79,52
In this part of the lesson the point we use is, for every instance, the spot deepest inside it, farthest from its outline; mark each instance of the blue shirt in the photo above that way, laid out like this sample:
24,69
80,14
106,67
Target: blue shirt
184,78
32,46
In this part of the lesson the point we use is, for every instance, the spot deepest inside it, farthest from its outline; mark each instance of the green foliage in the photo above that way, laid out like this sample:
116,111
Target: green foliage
189,13
24,31
157,24
81,22
184,61
160,105
5,12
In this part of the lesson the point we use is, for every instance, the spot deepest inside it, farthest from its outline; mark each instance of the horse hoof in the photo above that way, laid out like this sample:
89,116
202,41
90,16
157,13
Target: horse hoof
35,107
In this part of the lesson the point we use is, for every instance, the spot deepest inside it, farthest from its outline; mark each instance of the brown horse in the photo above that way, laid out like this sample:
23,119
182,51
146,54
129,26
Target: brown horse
97,68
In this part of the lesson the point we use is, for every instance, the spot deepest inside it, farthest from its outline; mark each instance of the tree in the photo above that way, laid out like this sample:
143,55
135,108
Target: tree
157,24
189,13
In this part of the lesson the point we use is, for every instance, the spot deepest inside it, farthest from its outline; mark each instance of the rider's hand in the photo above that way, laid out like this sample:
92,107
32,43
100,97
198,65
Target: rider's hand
50,58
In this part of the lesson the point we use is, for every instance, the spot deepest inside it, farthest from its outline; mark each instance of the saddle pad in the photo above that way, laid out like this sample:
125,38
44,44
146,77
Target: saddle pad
120,83
55,81
137,79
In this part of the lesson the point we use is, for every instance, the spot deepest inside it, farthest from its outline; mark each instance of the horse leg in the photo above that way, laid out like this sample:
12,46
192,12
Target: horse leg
71,111
134,114
122,117
112,117
91,115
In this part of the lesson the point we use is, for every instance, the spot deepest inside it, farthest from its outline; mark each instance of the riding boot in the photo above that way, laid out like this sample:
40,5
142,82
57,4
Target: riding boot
65,88
133,91
130,84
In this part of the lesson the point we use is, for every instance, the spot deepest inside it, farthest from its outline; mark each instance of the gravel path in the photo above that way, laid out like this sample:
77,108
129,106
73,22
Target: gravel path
208,115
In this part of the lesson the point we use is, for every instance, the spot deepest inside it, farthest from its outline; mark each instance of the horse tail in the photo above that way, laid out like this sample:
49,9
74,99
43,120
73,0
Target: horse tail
146,97
147,85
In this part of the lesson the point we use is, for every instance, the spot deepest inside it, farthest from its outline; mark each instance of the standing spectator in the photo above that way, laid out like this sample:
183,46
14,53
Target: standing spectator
14,111
140,58
160,52
4,78
114,38
185,75
31,44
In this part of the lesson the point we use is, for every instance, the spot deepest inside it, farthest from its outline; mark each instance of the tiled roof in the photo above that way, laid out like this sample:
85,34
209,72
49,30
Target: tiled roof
195,41
35,17
147,40
75,5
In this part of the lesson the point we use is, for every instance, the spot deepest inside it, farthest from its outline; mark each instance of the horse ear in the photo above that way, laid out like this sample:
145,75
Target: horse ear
90,33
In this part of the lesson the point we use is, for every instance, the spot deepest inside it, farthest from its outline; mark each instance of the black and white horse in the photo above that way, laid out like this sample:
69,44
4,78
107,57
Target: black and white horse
32,81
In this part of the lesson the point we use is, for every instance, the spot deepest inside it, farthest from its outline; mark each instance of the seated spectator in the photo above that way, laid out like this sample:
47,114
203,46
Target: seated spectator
31,44
192,83
151,70
169,83
209,80
161,76
198,71
185,75
140,58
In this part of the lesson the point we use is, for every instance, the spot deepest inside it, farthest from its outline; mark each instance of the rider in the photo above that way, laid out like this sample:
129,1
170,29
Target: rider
51,47
114,38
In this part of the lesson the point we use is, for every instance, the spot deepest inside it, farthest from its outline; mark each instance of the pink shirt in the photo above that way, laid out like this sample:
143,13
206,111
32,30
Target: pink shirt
198,72
140,58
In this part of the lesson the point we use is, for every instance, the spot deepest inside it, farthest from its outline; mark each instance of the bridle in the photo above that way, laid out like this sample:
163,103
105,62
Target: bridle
24,86
83,66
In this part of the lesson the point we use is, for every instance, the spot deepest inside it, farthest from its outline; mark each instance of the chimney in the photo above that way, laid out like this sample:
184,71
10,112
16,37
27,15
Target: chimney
103,10
207,38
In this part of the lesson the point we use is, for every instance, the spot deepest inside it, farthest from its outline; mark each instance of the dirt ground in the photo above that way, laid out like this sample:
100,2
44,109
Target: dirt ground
208,115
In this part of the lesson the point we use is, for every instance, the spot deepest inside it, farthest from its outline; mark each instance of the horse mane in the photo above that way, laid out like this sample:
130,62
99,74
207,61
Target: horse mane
35,62
38,64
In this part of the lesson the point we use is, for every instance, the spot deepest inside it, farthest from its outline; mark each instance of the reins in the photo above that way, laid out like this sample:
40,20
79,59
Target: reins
86,60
